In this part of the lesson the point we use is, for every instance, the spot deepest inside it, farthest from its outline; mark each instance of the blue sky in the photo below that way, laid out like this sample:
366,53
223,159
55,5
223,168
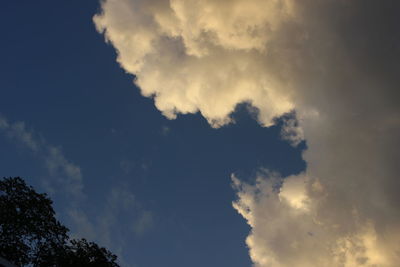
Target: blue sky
210,133
61,80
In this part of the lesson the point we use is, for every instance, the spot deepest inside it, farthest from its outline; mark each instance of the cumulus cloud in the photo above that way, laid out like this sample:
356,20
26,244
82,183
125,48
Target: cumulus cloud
288,228
334,62
181,51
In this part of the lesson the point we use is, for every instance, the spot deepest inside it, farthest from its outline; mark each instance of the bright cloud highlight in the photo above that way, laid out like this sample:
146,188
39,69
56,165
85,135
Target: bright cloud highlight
334,62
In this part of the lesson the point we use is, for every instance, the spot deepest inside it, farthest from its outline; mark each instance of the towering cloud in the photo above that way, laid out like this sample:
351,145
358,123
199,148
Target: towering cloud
334,62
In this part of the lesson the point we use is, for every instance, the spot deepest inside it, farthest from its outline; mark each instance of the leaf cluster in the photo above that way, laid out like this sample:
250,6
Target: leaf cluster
30,235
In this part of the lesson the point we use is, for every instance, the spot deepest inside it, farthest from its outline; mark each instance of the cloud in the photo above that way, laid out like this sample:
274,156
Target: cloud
65,182
291,130
180,51
63,174
116,223
334,62
288,229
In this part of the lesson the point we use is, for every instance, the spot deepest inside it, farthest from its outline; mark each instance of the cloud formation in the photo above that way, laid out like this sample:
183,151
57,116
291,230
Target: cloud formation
181,51
334,62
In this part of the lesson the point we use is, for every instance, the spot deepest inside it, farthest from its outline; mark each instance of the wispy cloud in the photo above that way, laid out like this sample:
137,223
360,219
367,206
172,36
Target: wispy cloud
65,181
118,222
63,176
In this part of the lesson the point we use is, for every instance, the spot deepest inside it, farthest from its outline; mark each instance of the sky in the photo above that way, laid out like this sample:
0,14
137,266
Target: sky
209,133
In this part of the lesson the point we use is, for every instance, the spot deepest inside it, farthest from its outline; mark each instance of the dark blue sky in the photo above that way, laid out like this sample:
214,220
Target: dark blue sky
60,78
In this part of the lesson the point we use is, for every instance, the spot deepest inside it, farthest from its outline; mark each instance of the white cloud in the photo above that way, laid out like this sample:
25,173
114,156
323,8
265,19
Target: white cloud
334,62
288,231
181,51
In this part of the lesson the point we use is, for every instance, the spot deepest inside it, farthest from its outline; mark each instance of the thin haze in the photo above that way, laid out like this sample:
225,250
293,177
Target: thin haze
334,63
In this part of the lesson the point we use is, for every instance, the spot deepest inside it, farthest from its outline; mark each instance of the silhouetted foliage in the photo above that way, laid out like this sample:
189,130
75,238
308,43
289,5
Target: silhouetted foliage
84,253
30,235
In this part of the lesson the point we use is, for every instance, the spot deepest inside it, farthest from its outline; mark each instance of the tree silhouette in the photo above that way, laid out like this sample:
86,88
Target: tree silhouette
30,235
84,253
